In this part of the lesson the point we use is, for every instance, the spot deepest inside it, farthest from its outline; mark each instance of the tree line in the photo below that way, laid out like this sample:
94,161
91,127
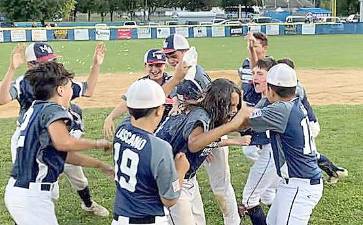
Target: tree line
45,10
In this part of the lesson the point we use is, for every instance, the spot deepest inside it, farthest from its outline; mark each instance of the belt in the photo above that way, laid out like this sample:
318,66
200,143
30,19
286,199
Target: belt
312,181
142,220
34,186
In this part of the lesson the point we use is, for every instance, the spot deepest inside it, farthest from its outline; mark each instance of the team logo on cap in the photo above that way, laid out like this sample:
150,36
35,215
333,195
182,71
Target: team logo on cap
158,55
46,48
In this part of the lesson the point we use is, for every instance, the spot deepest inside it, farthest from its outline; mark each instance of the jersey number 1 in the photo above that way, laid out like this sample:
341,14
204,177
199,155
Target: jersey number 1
128,166
309,143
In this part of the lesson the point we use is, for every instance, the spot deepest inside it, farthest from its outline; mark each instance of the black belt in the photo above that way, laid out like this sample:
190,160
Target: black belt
312,181
43,187
143,220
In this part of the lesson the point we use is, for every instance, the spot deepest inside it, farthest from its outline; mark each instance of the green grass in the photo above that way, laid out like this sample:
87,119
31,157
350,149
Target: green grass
309,52
340,139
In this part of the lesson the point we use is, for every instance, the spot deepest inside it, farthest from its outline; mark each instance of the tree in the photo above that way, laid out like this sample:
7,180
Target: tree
347,7
36,10
86,6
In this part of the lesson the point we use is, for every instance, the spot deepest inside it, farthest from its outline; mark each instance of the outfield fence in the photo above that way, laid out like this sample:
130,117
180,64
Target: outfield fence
82,33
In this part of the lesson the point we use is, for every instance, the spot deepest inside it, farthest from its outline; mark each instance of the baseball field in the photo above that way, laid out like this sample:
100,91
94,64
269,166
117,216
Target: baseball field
329,66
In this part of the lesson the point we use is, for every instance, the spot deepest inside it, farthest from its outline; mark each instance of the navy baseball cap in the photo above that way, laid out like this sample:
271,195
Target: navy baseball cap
40,52
175,42
154,56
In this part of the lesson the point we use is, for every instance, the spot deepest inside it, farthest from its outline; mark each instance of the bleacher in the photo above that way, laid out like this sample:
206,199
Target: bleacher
283,4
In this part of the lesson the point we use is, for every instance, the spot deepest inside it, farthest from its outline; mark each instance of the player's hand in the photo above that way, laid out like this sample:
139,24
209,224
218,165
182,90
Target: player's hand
107,170
108,128
240,118
210,157
99,54
181,70
104,144
181,163
18,56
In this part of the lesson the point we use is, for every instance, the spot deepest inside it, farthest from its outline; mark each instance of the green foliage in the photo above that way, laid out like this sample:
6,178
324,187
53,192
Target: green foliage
340,139
36,10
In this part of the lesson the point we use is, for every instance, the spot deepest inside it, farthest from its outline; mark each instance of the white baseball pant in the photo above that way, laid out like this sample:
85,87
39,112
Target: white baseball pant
294,202
220,181
28,206
189,207
262,179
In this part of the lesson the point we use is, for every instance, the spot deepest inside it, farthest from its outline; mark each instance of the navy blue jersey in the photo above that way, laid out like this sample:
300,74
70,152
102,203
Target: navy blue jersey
22,91
293,146
301,93
245,72
37,160
176,130
144,172
190,89
76,124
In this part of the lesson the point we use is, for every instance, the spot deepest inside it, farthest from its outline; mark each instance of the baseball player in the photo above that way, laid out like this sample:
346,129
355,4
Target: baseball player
44,145
262,178
154,63
147,180
176,47
191,131
286,122
334,172
21,90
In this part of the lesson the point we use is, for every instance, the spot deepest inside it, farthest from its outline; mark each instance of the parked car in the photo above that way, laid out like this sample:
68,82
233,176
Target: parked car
354,18
217,21
230,23
7,24
171,23
330,19
206,23
295,19
130,23
262,19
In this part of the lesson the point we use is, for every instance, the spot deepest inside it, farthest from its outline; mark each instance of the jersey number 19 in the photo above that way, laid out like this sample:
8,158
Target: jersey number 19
128,166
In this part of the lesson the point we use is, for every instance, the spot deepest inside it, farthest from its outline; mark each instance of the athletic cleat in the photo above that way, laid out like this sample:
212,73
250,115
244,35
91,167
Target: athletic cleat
339,174
96,209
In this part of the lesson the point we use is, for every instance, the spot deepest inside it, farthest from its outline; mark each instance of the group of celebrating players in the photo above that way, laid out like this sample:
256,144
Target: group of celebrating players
174,125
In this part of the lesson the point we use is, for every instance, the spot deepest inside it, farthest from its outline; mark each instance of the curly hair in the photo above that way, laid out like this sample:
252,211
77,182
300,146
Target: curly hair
216,100
46,77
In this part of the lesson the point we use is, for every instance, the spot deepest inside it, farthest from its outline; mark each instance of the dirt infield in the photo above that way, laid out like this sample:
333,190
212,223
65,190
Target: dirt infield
323,87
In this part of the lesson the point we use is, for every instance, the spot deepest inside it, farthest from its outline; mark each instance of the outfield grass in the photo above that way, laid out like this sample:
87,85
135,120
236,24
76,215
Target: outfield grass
340,139
309,52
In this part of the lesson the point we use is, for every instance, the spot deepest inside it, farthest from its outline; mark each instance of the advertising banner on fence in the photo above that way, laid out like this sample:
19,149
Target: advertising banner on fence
162,32
308,28
273,29
236,31
81,34
144,32
218,31
200,31
291,29
255,28
39,35
184,31
102,34
1,36
60,34
124,33
18,35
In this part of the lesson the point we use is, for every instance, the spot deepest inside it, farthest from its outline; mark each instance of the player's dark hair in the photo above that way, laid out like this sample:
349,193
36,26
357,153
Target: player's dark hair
287,61
46,77
266,63
139,113
261,37
283,92
216,100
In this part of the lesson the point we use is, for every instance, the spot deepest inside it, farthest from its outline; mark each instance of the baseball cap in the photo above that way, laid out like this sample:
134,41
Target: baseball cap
175,42
40,52
154,56
145,94
282,75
